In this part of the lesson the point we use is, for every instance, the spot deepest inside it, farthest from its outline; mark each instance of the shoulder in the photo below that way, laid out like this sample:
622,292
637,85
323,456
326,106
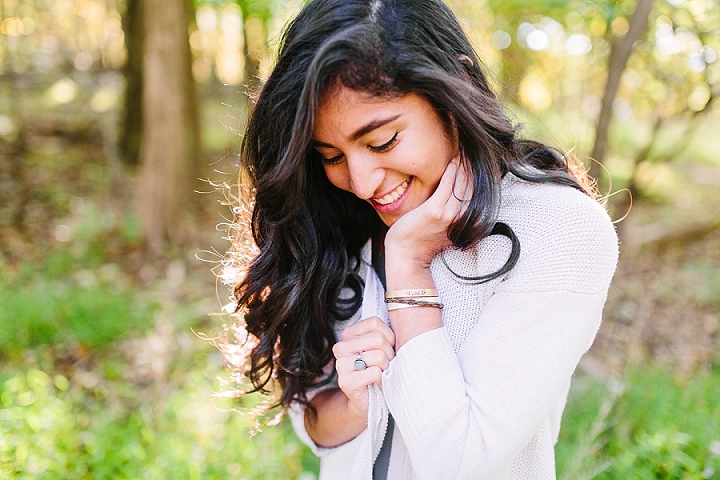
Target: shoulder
567,240
548,208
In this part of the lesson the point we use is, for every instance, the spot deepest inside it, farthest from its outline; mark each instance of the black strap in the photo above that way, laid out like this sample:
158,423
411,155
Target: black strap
382,463
498,229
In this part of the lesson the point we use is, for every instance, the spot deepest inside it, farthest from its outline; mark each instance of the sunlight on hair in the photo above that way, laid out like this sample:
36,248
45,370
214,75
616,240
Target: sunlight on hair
234,341
603,198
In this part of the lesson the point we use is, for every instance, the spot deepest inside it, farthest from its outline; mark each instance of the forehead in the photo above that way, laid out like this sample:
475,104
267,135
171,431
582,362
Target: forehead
343,110
341,98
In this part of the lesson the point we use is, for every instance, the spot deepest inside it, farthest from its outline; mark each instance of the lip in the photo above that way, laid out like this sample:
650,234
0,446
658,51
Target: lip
391,207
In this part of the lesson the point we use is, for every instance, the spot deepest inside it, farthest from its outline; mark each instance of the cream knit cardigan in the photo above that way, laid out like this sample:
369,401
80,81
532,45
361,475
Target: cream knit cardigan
482,397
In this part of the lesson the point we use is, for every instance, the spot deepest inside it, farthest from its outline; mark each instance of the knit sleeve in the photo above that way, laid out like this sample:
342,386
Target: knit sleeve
468,412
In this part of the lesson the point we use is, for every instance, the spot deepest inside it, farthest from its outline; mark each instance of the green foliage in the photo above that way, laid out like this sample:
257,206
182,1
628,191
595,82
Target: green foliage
52,428
657,428
81,308
659,455
101,407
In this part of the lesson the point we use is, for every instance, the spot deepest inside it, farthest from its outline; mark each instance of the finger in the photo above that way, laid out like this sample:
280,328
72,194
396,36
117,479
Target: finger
351,348
372,358
354,383
462,187
443,192
462,190
370,324
369,341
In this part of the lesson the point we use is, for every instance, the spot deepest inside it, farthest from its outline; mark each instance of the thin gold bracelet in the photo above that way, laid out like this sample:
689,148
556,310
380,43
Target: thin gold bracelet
413,301
412,292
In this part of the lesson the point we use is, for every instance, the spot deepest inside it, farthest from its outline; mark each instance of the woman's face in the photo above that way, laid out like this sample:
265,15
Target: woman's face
390,152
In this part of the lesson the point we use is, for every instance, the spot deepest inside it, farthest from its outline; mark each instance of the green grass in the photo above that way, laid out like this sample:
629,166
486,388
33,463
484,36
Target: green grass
106,410
79,308
54,429
648,427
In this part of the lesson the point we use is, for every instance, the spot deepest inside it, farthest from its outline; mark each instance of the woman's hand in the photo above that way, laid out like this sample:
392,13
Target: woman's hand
414,240
376,342
421,233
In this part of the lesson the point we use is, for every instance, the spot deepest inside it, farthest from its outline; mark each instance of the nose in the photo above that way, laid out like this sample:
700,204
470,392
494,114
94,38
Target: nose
365,174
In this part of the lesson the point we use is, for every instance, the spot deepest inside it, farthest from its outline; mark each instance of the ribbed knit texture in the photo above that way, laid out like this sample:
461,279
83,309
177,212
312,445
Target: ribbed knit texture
482,397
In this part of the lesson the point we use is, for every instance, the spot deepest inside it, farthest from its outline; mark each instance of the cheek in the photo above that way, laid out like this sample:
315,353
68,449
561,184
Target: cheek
429,151
338,176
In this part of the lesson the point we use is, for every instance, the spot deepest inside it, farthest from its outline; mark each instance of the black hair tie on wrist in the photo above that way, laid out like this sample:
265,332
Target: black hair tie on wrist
499,228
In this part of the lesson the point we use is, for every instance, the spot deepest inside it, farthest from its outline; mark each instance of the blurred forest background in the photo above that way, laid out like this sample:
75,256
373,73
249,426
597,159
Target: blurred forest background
119,123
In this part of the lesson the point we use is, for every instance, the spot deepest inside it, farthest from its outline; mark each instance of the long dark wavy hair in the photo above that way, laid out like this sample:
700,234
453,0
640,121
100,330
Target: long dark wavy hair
309,233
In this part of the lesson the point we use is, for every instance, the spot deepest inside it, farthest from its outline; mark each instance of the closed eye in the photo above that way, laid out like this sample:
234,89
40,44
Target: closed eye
386,146
332,161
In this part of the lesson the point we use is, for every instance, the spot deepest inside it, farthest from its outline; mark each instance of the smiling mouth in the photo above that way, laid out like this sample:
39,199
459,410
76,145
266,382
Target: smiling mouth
394,195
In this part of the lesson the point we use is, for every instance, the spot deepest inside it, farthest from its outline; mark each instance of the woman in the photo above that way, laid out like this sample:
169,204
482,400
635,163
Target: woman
377,153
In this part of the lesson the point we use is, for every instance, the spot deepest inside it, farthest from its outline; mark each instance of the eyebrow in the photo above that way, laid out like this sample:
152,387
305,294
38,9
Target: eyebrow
362,131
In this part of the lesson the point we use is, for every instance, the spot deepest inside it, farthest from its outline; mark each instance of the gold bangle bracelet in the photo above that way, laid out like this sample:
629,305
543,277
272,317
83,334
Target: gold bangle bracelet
412,300
412,292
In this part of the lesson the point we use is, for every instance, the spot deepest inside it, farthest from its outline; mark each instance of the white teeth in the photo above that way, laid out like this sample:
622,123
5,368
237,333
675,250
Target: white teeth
394,195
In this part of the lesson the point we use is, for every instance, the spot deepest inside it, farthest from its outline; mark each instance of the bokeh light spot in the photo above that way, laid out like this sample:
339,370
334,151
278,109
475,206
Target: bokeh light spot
666,41
206,19
231,21
501,39
6,125
83,61
104,99
699,98
201,70
622,108
632,79
199,40
598,26
534,94
578,44
63,91
620,26
709,54
229,69
537,40
523,31
12,26
590,106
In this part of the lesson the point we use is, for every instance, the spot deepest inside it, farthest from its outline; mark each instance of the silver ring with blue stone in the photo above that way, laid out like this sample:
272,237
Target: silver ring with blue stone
360,364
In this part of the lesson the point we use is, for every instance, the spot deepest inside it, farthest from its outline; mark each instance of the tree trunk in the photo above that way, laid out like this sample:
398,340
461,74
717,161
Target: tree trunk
131,131
619,55
170,152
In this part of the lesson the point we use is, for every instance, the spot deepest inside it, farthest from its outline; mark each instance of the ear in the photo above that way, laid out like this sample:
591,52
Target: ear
466,59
